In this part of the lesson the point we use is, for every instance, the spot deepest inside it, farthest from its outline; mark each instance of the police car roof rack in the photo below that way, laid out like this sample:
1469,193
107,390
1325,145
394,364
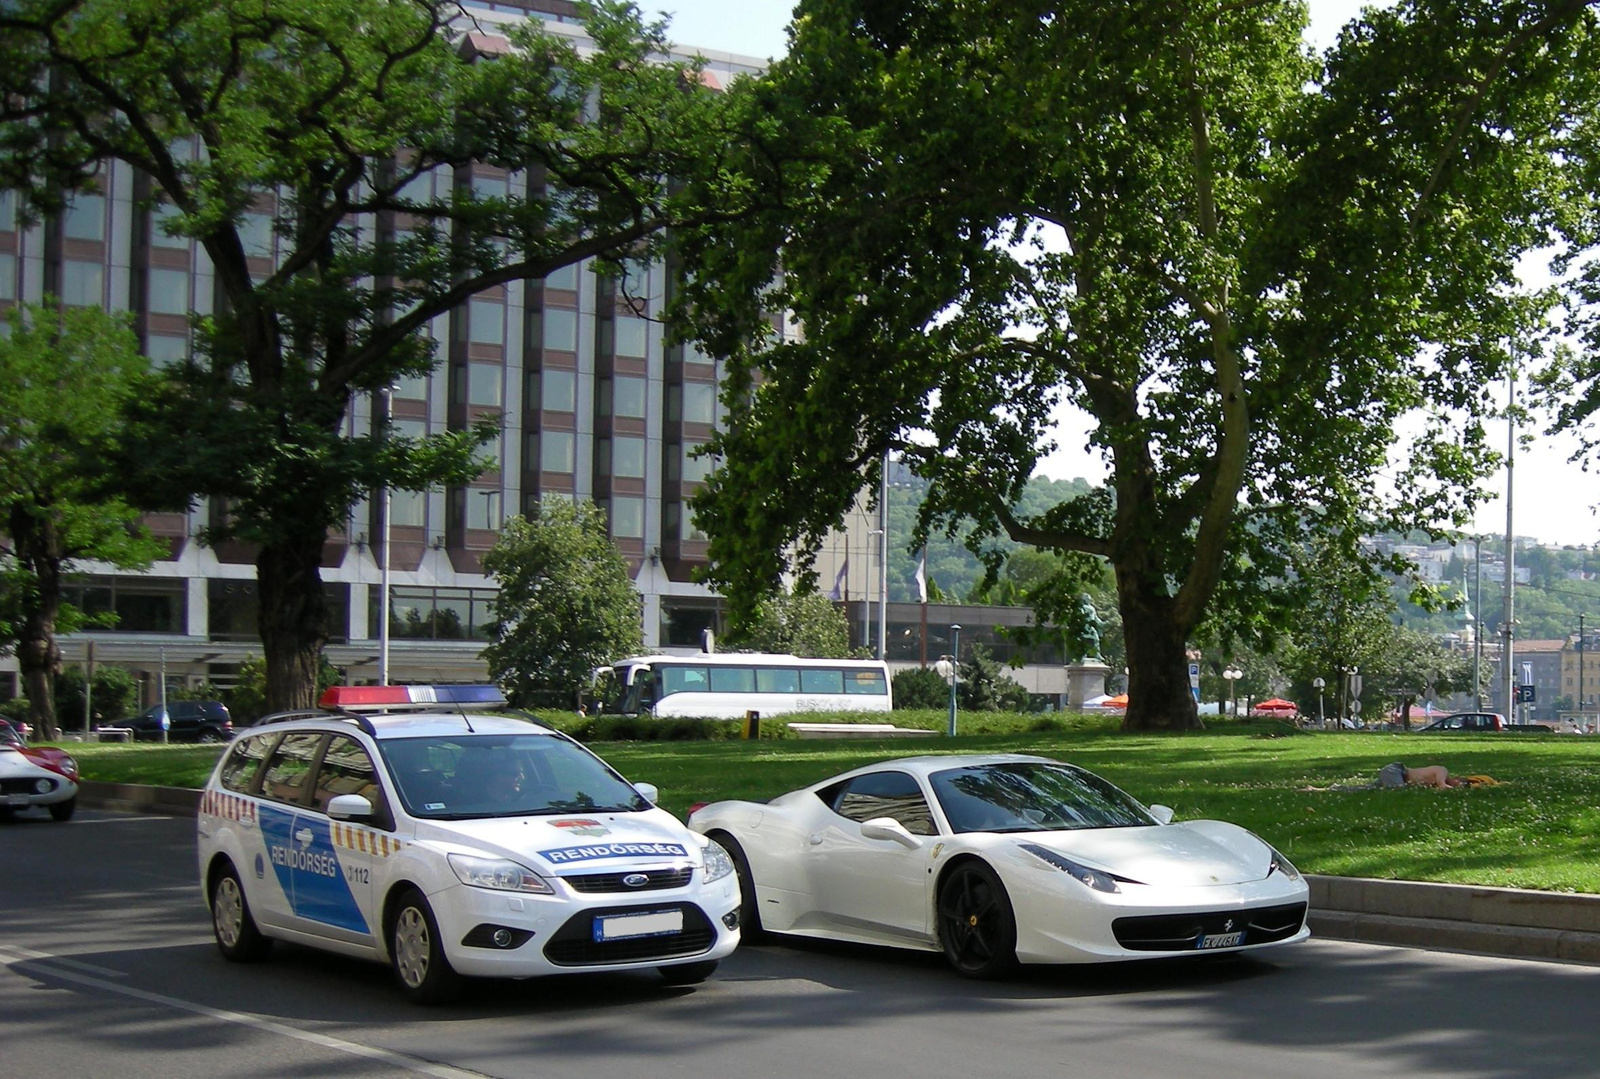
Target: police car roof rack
360,721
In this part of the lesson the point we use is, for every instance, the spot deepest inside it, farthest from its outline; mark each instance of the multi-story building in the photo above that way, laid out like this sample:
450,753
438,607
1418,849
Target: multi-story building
594,405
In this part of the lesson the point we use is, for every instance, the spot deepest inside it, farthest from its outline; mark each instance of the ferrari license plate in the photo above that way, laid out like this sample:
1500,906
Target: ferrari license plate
657,923
15,800
1221,940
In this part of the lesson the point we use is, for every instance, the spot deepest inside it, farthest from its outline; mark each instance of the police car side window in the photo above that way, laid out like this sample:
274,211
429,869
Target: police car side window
244,763
290,767
346,769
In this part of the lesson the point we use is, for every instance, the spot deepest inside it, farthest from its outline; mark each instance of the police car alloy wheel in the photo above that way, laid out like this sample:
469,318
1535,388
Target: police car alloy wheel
236,932
440,833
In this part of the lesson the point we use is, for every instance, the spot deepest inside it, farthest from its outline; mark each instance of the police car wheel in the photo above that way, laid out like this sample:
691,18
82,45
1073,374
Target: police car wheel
420,966
688,973
237,936
63,810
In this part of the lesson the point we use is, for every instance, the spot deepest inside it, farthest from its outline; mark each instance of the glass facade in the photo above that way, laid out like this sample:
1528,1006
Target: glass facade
233,610
132,604
438,614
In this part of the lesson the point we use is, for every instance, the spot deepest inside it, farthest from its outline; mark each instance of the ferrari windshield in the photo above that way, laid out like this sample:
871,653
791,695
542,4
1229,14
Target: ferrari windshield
467,776
1028,796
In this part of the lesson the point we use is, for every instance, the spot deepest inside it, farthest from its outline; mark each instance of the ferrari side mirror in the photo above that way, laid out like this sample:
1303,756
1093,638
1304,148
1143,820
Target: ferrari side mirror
887,828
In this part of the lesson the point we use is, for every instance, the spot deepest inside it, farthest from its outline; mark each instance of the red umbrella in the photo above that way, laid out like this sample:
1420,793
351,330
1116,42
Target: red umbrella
1277,704
1119,701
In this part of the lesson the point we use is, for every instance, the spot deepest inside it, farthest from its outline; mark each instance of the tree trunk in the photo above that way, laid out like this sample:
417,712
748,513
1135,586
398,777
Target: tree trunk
37,546
293,619
1158,662
40,661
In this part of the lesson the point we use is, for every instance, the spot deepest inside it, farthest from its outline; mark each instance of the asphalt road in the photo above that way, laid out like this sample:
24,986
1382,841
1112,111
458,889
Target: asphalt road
107,969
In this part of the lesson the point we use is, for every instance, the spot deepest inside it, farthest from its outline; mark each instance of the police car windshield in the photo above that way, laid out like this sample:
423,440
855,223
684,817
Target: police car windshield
471,776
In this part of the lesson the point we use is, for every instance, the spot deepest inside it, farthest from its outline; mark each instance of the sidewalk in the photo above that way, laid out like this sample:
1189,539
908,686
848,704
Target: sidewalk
1409,914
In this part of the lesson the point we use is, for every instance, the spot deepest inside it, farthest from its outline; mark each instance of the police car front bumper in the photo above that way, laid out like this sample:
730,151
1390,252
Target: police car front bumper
490,933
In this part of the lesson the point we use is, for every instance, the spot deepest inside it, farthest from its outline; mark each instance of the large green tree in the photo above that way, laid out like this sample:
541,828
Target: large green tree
1246,264
796,623
566,604
67,379
326,114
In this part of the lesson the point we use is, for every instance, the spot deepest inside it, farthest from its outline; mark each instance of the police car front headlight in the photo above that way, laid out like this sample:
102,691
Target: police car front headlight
497,873
718,862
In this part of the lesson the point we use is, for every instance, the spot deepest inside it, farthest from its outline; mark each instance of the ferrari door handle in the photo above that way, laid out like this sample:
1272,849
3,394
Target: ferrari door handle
816,840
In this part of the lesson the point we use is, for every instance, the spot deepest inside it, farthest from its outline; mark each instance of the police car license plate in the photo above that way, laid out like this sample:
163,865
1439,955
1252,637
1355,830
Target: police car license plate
622,926
1221,940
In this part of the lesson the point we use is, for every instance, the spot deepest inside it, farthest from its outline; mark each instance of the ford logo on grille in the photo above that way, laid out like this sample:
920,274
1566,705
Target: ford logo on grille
636,880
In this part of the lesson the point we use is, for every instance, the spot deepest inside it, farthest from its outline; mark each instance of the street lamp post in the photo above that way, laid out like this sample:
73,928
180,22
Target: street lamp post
1317,684
949,668
1233,674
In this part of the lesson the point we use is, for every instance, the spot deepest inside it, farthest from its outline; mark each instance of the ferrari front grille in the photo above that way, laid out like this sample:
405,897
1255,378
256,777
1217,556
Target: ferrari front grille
1184,932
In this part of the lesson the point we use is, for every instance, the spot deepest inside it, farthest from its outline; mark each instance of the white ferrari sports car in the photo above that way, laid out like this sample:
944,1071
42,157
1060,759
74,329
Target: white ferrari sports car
998,860
35,776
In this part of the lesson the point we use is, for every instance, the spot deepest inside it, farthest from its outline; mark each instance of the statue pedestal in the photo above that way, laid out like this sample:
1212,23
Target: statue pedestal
1085,680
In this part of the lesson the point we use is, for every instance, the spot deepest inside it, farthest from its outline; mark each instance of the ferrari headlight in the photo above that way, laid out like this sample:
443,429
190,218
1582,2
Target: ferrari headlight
500,874
718,862
1280,864
69,766
1098,879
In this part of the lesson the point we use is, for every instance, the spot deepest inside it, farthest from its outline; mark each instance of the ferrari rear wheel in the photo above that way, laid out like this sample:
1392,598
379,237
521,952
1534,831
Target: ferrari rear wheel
976,925
750,931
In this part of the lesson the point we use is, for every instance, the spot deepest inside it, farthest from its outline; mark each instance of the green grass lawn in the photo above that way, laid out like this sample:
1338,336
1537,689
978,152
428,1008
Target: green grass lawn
1539,828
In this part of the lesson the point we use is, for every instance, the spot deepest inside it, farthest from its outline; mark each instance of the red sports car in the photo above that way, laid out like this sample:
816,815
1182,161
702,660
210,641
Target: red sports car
35,776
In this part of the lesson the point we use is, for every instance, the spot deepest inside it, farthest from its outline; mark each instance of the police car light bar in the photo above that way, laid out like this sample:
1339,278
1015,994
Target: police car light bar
391,698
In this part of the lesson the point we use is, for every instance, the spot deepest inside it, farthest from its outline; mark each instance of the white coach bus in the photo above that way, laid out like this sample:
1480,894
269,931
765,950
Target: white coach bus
729,685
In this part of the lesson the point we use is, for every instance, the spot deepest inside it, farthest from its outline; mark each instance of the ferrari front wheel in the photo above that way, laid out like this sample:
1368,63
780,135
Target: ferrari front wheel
976,925
750,931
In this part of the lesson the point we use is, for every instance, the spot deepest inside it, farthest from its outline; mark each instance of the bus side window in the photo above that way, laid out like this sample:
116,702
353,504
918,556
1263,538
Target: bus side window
777,680
864,682
684,680
822,680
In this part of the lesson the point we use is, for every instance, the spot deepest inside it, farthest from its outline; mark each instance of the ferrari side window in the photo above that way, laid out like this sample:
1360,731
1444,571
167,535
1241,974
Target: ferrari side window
885,794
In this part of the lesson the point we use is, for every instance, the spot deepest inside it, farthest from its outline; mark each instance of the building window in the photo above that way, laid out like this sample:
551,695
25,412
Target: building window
165,350
630,336
169,292
418,190
560,329
160,214
8,277
483,508
412,388
490,187
683,626
233,610
8,210
627,457
556,451
439,614
408,509
635,282
565,278
85,218
486,322
82,283
687,529
255,233
628,396
627,518
700,402
140,604
483,381
408,428
559,390
695,468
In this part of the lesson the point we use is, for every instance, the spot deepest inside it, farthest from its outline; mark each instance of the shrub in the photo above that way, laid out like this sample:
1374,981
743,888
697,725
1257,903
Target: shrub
920,687
116,695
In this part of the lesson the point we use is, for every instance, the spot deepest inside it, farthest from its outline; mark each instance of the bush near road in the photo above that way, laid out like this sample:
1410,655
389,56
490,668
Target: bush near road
1536,829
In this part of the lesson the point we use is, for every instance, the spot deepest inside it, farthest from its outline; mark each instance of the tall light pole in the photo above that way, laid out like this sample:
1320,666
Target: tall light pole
883,559
1477,625
1318,683
383,573
949,668
1507,675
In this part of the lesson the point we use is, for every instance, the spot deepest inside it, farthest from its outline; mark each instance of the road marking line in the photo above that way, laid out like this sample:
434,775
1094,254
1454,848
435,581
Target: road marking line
29,953
13,954
119,820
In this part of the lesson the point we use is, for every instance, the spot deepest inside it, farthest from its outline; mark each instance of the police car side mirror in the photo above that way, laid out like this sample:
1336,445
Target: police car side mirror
349,807
649,792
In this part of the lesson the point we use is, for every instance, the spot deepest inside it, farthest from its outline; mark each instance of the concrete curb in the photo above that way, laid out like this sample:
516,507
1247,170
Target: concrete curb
1410,914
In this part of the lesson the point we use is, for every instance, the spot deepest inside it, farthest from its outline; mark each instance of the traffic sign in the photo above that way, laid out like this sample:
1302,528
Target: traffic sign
1194,680
1355,707
1525,694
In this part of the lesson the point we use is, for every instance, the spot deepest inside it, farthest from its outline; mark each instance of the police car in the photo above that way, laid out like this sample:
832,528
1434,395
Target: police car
431,828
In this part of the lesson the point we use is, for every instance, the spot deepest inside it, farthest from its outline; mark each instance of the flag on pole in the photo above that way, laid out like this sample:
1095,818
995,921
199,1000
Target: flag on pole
840,579
922,576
